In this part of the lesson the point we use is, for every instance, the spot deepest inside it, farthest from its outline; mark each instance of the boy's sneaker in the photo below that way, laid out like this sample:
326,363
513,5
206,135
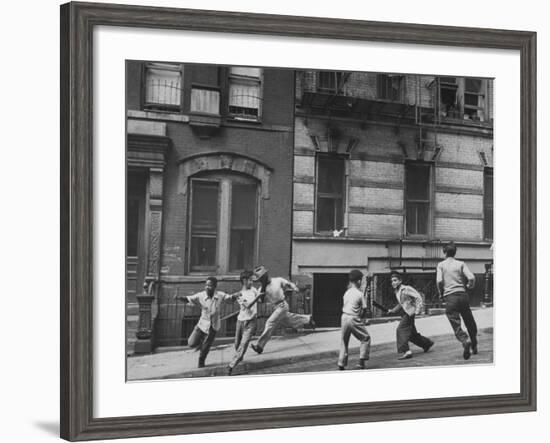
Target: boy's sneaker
256,349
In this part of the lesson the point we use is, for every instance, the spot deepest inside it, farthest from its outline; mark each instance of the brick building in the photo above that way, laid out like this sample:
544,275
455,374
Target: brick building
209,175
386,168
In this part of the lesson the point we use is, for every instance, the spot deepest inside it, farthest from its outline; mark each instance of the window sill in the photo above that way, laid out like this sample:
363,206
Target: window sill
237,119
158,115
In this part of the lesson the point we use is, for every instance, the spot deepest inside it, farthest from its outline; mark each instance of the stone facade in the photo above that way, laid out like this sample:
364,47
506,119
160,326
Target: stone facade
378,140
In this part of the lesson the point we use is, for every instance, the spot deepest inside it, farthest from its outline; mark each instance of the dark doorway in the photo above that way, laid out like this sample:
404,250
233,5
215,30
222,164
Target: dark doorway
136,250
328,291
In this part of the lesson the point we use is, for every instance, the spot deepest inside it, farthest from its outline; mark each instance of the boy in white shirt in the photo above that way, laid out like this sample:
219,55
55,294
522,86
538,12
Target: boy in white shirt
246,321
353,322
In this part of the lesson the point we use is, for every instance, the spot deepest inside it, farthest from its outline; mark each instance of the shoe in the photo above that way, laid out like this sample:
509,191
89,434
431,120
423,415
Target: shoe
229,370
474,349
201,363
428,346
466,354
361,365
341,368
256,349
312,324
405,356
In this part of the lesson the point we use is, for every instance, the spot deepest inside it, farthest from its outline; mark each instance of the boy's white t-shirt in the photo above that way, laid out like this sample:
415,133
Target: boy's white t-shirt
247,296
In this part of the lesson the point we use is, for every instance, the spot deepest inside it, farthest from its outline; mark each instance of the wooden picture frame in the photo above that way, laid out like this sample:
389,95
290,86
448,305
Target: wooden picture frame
77,23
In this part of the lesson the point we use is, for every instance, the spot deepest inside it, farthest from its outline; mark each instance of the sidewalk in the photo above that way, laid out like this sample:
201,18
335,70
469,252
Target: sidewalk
279,350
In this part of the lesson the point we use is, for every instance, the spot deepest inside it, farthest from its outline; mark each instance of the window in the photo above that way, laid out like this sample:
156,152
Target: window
245,93
330,193
163,86
448,98
462,98
390,87
488,204
417,198
330,82
223,223
204,225
474,99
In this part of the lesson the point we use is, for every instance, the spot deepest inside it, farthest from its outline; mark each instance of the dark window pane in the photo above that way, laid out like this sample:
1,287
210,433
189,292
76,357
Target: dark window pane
132,223
448,97
417,218
243,226
205,208
473,85
451,80
418,182
488,223
243,209
488,204
203,253
329,214
331,175
204,225
471,99
389,87
330,81
241,249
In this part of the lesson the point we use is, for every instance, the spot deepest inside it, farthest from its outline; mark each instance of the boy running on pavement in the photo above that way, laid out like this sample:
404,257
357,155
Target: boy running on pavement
274,290
453,277
353,322
246,321
409,304
209,322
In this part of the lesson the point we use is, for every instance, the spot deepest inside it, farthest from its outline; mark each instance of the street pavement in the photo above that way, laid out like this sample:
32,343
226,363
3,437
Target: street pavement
317,351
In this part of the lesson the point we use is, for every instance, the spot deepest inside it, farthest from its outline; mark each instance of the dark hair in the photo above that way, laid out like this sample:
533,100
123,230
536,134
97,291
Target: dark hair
397,275
246,274
449,249
214,280
355,275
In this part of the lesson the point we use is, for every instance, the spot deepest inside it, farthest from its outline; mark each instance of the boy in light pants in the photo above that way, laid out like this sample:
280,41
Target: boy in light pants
246,321
353,322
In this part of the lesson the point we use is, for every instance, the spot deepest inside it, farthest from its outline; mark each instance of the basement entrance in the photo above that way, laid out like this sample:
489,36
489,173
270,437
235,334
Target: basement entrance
328,292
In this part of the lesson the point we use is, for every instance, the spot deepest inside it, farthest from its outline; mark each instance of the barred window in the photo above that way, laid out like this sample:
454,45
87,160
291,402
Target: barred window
245,93
163,86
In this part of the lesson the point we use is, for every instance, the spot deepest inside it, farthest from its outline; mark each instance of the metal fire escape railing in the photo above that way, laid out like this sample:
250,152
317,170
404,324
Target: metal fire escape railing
432,254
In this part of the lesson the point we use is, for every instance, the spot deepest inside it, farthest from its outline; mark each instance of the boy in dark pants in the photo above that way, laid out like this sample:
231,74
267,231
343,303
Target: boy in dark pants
453,277
409,304
246,321
209,323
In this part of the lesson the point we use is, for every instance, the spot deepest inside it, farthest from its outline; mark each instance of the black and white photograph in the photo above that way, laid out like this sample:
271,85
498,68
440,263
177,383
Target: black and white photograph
285,220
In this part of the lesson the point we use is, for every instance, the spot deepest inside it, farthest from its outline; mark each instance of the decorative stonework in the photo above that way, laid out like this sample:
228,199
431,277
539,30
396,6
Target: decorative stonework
225,161
154,243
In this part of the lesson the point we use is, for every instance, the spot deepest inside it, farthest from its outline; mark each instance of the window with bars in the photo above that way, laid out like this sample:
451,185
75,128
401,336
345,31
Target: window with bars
223,223
390,87
330,82
488,204
417,198
163,86
330,193
245,93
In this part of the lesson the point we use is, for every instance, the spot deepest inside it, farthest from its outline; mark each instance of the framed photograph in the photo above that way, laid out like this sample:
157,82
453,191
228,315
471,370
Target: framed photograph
255,206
